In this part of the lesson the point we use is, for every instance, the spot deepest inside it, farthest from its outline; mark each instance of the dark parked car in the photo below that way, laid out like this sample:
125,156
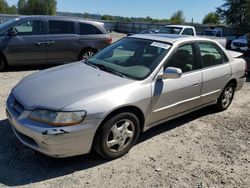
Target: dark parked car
49,40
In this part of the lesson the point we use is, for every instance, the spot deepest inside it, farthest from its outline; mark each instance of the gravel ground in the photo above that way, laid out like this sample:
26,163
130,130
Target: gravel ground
202,149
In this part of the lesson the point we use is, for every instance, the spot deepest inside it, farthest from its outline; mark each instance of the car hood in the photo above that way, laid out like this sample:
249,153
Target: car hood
60,86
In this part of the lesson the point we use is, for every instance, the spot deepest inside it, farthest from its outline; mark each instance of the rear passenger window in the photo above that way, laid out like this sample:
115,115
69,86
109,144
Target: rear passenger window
88,29
61,27
184,58
188,31
211,55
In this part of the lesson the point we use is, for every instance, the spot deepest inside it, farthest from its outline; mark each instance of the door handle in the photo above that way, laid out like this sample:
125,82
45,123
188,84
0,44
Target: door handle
226,75
39,43
195,85
48,43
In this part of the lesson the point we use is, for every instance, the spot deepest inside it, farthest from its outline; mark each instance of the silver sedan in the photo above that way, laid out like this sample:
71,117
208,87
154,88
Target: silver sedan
136,83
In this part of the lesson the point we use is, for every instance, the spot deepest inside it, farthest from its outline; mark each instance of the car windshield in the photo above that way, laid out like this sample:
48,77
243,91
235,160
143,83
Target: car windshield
171,30
9,22
130,57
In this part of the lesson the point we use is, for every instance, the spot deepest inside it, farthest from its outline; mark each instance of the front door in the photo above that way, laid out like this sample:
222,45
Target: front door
27,47
174,96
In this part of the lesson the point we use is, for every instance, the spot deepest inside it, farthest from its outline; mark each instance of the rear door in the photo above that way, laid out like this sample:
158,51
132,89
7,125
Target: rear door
62,41
216,71
27,47
175,96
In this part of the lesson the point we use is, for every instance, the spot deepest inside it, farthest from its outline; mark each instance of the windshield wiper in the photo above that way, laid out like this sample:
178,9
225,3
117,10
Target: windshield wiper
108,69
90,64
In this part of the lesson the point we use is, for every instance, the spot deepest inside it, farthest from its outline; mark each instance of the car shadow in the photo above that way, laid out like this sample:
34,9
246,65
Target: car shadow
21,165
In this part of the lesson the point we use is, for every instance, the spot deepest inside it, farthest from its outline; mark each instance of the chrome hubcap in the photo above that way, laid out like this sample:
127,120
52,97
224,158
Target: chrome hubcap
120,135
227,97
87,55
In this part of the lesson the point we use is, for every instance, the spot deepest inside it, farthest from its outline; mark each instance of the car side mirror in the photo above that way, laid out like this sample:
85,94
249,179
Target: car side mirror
12,32
171,73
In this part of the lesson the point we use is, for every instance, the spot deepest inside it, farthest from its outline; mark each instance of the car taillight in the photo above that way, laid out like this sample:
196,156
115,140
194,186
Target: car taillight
109,40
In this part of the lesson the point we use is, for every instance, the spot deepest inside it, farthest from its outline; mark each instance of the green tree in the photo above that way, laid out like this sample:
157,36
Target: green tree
211,18
234,12
12,10
37,7
6,9
177,17
107,17
3,6
247,13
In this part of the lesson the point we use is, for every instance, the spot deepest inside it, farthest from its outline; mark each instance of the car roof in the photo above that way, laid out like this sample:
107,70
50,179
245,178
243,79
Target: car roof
60,18
182,26
170,38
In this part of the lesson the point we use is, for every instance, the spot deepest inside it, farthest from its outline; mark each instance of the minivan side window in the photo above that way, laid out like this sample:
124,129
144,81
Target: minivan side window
88,29
211,55
30,28
184,58
61,27
188,31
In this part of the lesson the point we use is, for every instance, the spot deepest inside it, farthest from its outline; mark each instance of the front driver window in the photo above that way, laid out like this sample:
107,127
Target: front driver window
30,28
184,58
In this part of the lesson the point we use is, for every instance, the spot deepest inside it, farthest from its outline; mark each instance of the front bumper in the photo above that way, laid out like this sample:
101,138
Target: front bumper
52,141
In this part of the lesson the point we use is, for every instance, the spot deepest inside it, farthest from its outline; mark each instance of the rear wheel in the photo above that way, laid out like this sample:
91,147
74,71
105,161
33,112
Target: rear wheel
226,97
86,54
117,136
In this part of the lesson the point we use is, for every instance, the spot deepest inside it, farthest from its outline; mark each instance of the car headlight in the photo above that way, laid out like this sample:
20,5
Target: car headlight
57,118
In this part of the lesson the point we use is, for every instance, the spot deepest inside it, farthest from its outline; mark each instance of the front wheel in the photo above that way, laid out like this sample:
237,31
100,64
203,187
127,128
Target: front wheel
117,136
226,97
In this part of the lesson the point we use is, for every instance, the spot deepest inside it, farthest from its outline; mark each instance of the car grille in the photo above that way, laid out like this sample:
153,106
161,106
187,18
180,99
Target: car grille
239,44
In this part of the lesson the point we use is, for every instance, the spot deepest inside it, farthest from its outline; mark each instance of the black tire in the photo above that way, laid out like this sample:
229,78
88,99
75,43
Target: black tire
85,54
2,64
226,97
106,137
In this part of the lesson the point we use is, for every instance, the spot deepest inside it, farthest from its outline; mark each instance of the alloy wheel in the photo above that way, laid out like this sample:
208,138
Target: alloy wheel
120,135
227,96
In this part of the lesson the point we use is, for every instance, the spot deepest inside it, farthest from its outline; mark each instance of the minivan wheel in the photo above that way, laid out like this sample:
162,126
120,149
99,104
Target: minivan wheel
87,54
226,97
117,136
